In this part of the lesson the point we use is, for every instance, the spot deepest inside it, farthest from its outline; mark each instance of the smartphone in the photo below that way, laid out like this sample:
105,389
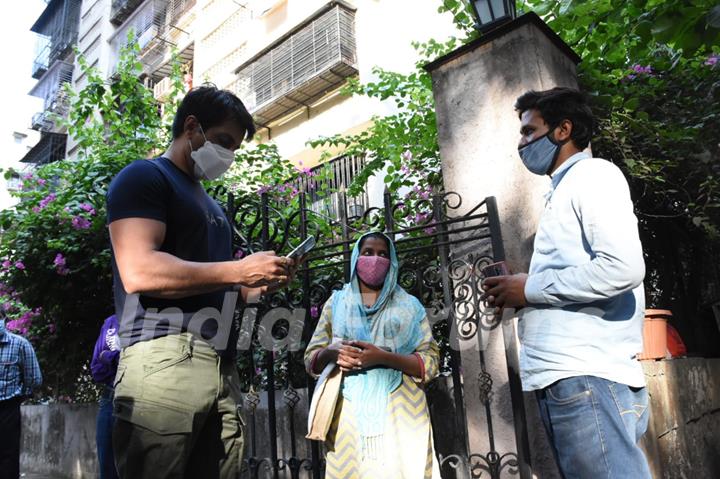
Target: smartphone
303,248
496,269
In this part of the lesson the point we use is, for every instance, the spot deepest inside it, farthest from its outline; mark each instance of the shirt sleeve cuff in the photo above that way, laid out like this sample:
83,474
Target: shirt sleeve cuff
421,379
534,290
312,364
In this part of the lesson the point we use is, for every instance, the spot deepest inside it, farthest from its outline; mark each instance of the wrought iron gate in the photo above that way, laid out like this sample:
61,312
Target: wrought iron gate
442,248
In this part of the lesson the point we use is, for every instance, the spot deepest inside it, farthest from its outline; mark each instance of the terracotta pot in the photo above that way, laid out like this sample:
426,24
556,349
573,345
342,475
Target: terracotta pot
655,334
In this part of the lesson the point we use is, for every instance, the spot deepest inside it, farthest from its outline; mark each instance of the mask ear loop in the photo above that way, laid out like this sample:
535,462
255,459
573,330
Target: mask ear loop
559,144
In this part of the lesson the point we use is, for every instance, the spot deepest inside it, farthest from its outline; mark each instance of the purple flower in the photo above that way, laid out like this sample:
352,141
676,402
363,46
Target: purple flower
51,328
405,170
406,155
27,176
87,207
314,311
59,260
19,265
712,60
36,209
642,69
6,264
258,371
425,194
239,254
263,189
80,223
47,200
7,306
42,182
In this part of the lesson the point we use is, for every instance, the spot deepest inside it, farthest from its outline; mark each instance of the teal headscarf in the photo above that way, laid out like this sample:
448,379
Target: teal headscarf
393,323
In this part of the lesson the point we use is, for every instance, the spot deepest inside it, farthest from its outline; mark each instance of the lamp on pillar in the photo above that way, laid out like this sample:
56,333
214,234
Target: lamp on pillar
492,13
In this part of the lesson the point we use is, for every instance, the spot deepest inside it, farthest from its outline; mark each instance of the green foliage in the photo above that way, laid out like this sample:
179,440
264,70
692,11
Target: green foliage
402,146
649,65
57,231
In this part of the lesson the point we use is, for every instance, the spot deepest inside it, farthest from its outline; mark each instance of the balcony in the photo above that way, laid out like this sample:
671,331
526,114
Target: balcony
156,30
302,66
50,148
51,89
122,9
57,29
41,121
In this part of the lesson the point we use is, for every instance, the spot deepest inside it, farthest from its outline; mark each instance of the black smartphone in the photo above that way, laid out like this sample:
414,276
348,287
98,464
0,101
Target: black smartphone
496,269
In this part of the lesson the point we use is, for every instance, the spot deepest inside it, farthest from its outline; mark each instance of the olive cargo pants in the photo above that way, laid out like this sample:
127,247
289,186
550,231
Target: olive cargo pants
176,410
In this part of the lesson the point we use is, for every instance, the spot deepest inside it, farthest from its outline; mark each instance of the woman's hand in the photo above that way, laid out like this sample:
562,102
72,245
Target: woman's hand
345,355
370,355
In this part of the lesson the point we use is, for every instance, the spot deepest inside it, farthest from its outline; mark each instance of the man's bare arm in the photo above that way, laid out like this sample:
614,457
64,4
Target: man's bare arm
144,269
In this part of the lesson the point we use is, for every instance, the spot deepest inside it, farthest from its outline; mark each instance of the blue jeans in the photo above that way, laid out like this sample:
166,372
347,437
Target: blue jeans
594,426
103,436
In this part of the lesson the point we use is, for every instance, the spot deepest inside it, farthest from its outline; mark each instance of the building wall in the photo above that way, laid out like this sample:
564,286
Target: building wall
225,34
95,28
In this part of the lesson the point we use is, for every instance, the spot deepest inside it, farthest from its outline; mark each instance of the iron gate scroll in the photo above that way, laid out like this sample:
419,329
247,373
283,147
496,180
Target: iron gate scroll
441,253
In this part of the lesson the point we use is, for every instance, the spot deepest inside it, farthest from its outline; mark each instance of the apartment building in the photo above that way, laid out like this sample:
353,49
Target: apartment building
57,34
286,59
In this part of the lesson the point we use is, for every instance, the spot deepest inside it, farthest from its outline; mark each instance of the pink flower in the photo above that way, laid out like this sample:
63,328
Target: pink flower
80,223
6,264
42,182
314,311
406,155
239,254
36,209
19,265
712,60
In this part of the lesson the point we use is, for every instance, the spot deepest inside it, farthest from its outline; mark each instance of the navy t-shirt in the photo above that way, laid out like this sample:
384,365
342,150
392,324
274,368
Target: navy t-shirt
196,230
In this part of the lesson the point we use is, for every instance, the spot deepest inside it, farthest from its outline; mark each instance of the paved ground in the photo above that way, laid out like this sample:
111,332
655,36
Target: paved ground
31,475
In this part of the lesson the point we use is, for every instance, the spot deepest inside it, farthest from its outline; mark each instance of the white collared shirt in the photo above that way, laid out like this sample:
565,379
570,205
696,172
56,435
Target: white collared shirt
584,289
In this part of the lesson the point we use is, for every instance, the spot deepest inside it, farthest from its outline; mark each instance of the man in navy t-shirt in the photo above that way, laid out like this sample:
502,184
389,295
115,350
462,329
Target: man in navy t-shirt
176,288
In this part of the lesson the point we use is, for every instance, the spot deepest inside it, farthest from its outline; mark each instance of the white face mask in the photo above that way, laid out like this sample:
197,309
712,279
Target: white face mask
211,160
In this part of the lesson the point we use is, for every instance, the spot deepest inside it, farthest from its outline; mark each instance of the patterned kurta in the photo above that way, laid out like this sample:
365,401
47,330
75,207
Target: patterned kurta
408,451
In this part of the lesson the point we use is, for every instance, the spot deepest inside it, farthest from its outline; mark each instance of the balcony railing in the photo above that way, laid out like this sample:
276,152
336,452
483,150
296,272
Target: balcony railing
50,148
313,59
57,29
122,9
51,89
154,27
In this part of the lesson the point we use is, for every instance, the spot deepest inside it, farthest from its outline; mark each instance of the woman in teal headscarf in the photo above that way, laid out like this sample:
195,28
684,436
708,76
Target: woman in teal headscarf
379,336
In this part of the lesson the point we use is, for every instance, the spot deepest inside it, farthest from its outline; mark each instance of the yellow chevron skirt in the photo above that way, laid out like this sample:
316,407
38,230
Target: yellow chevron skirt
406,452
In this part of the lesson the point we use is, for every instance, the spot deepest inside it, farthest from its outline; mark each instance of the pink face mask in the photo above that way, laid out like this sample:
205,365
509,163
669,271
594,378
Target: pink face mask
373,269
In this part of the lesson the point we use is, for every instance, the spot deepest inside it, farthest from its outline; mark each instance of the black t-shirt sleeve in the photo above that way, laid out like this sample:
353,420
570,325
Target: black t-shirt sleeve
140,190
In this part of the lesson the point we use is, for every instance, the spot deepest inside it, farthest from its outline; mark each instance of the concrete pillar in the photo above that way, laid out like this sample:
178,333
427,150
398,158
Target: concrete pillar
475,88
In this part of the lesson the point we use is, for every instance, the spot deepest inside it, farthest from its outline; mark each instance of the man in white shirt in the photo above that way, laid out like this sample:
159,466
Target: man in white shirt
583,298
